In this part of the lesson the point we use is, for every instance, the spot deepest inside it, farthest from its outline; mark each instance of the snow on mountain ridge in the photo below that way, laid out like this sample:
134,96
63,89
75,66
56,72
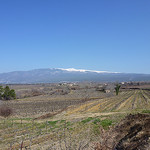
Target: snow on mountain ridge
83,70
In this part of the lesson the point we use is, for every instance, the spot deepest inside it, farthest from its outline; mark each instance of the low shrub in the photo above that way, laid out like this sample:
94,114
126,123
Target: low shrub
5,111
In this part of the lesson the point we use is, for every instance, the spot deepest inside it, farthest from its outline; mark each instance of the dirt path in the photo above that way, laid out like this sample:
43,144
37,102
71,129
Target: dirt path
80,116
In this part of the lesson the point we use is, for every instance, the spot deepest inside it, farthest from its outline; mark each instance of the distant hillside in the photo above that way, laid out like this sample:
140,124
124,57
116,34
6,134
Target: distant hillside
68,75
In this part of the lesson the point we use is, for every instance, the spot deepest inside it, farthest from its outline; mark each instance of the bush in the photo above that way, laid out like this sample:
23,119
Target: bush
7,93
5,111
1,92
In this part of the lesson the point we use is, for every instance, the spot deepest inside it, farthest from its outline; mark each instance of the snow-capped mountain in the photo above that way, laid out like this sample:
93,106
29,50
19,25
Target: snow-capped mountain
83,70
69,75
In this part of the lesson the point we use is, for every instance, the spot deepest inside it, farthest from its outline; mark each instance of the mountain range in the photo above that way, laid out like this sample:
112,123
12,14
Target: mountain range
68,75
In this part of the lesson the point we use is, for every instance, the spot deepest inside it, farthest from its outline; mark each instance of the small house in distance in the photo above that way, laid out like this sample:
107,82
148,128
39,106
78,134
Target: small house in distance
106,88
109,88
107,91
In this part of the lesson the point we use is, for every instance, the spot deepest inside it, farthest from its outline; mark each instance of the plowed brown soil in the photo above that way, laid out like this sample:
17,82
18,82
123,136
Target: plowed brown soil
133,133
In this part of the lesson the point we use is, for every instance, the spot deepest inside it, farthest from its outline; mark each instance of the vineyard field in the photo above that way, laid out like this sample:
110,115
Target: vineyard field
72,121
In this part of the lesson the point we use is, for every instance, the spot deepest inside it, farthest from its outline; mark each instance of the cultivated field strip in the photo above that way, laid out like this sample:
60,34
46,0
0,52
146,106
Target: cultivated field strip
25,109
146,95
126,101
113,103
95,104
40,105
28,133
72,95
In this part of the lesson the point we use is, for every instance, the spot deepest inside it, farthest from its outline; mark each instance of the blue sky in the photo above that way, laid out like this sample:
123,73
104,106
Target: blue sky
110,35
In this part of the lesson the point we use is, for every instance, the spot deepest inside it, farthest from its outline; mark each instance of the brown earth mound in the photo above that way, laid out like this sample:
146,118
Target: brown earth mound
133,133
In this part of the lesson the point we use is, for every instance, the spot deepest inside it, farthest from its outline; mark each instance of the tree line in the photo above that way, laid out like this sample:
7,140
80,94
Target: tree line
6,93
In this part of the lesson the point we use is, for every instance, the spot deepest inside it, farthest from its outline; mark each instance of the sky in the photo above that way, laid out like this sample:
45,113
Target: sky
104,35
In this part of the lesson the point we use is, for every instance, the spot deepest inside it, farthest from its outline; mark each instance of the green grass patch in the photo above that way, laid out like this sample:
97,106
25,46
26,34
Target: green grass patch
41,126
146,111
96,121
96,129
52,123
62,121
68,123
106,123
87,120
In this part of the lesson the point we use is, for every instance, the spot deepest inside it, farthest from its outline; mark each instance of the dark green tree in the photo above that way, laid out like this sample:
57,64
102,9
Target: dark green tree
12,94
1,92
6,93
9,93
117,88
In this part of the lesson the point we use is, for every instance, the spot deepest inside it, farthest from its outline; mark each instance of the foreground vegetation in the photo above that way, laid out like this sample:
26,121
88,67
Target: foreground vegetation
83,118
59,134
